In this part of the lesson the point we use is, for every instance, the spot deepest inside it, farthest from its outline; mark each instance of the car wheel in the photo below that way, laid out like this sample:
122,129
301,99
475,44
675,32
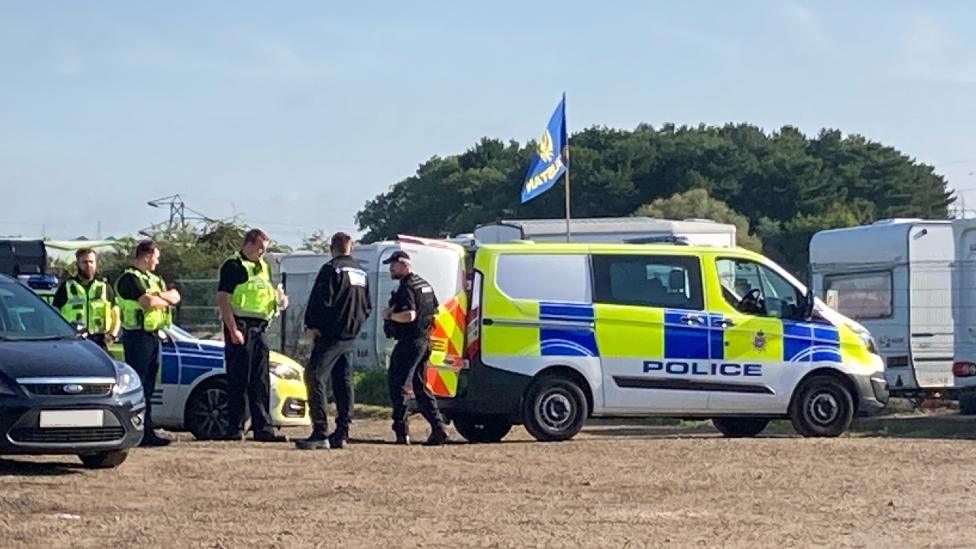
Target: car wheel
104,460
554,409
822,407
206,410
482,428
967,403
739,427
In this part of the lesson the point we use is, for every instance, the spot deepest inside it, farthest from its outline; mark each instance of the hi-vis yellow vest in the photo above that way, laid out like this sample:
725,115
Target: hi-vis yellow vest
255,298
90,307
134,317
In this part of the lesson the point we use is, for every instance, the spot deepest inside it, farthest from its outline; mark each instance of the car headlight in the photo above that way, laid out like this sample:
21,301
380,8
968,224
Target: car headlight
868,340
285,371
126,379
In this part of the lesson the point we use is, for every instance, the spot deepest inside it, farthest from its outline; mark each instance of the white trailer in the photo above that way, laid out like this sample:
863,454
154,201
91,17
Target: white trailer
695,232
964,284
895,277
437,262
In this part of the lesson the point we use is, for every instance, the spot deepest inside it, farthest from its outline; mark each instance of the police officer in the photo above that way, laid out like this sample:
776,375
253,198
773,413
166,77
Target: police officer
144,305
337,307
88,300
409,318
247,303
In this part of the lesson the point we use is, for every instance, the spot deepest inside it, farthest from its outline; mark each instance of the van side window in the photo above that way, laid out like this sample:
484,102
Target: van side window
648,281
860,295
544,277
756,289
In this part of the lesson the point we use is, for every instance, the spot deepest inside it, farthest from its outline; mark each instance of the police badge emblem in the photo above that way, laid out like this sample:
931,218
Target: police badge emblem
759,341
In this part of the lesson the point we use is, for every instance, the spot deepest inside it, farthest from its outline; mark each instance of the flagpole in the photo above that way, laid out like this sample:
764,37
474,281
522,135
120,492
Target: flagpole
567,205
566,145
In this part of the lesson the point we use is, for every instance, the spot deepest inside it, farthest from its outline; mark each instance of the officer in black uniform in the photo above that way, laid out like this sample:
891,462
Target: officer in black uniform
337,307
408,319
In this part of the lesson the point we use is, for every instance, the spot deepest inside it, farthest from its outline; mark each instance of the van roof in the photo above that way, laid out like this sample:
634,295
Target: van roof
610,247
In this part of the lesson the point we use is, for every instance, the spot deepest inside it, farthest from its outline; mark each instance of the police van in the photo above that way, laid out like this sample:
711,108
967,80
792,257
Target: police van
557,333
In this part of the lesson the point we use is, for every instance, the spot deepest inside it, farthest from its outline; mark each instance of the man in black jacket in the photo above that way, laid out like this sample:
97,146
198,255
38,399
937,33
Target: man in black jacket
337,307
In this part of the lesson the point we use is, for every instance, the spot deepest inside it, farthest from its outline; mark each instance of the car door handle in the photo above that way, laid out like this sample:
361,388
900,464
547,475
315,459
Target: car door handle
487,322
692,319
725,323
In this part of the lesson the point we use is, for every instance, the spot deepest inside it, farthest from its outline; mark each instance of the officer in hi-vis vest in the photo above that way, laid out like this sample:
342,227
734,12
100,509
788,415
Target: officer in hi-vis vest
89,301
144,304
248,301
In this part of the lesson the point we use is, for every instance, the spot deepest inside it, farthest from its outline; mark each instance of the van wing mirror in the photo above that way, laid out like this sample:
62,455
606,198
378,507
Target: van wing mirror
808,302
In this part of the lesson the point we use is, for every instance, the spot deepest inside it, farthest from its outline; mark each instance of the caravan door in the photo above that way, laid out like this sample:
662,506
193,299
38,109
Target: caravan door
931,328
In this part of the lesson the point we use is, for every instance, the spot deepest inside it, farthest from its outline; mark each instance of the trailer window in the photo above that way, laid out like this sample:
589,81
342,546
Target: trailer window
861,296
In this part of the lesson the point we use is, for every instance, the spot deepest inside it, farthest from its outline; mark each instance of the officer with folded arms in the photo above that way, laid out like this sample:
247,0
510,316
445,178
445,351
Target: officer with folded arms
146,309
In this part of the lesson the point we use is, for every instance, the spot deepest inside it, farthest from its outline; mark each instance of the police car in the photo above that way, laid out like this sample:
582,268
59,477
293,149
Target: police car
191,388
558,333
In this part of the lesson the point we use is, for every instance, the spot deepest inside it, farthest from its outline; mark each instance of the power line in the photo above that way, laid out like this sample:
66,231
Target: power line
967,161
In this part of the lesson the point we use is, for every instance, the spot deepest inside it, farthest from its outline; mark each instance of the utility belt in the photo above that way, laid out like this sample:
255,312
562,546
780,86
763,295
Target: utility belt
404,332
252,325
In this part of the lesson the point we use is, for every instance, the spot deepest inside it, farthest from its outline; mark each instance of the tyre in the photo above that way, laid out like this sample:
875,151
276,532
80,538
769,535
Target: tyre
738,427
104,460
967,403
822,407
482,428
555,408
206,410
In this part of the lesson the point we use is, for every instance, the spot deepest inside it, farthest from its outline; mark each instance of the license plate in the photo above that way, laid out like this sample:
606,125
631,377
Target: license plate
71,418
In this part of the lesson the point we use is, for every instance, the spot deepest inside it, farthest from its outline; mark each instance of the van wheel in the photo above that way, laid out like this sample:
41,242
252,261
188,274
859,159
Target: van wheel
482,428
206,410
822,407
967,403
104,460
738,427
555,409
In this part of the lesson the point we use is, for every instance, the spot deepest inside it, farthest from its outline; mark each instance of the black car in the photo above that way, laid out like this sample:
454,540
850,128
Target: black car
60,393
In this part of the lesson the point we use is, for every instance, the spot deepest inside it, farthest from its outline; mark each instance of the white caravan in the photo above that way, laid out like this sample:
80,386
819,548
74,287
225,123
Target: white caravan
439,262
636,230
895,277
964,312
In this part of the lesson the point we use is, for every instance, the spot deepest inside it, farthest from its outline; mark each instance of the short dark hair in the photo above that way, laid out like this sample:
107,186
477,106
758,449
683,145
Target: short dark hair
340,242
82,252
254,235
145,247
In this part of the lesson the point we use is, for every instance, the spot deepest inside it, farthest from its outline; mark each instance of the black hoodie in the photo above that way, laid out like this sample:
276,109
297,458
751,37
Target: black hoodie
339,302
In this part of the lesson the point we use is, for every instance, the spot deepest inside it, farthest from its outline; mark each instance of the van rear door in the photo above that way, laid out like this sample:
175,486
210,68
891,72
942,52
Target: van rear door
441,264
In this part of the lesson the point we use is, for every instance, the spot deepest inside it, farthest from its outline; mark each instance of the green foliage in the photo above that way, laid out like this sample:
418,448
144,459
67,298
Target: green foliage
784,183
696,203
317,242
370,387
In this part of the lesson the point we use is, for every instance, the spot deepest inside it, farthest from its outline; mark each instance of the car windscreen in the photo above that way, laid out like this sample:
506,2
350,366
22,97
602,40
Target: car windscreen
23,316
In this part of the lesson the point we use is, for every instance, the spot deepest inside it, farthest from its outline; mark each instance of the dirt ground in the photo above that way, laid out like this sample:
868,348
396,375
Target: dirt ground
613,486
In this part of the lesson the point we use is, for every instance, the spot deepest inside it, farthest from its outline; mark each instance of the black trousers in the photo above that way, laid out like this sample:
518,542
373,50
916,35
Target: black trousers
409,361
248,377
330,360
98,339
141,351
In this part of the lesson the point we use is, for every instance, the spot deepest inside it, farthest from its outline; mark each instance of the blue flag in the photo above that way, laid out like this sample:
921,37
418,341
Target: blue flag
551,157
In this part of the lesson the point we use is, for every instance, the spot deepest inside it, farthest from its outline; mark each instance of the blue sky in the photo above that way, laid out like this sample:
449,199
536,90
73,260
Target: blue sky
292,115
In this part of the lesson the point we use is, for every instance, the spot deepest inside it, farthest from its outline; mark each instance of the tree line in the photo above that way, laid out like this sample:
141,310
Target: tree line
779,187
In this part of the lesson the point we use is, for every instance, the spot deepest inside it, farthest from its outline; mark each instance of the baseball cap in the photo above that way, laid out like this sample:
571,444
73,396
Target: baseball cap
398,255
